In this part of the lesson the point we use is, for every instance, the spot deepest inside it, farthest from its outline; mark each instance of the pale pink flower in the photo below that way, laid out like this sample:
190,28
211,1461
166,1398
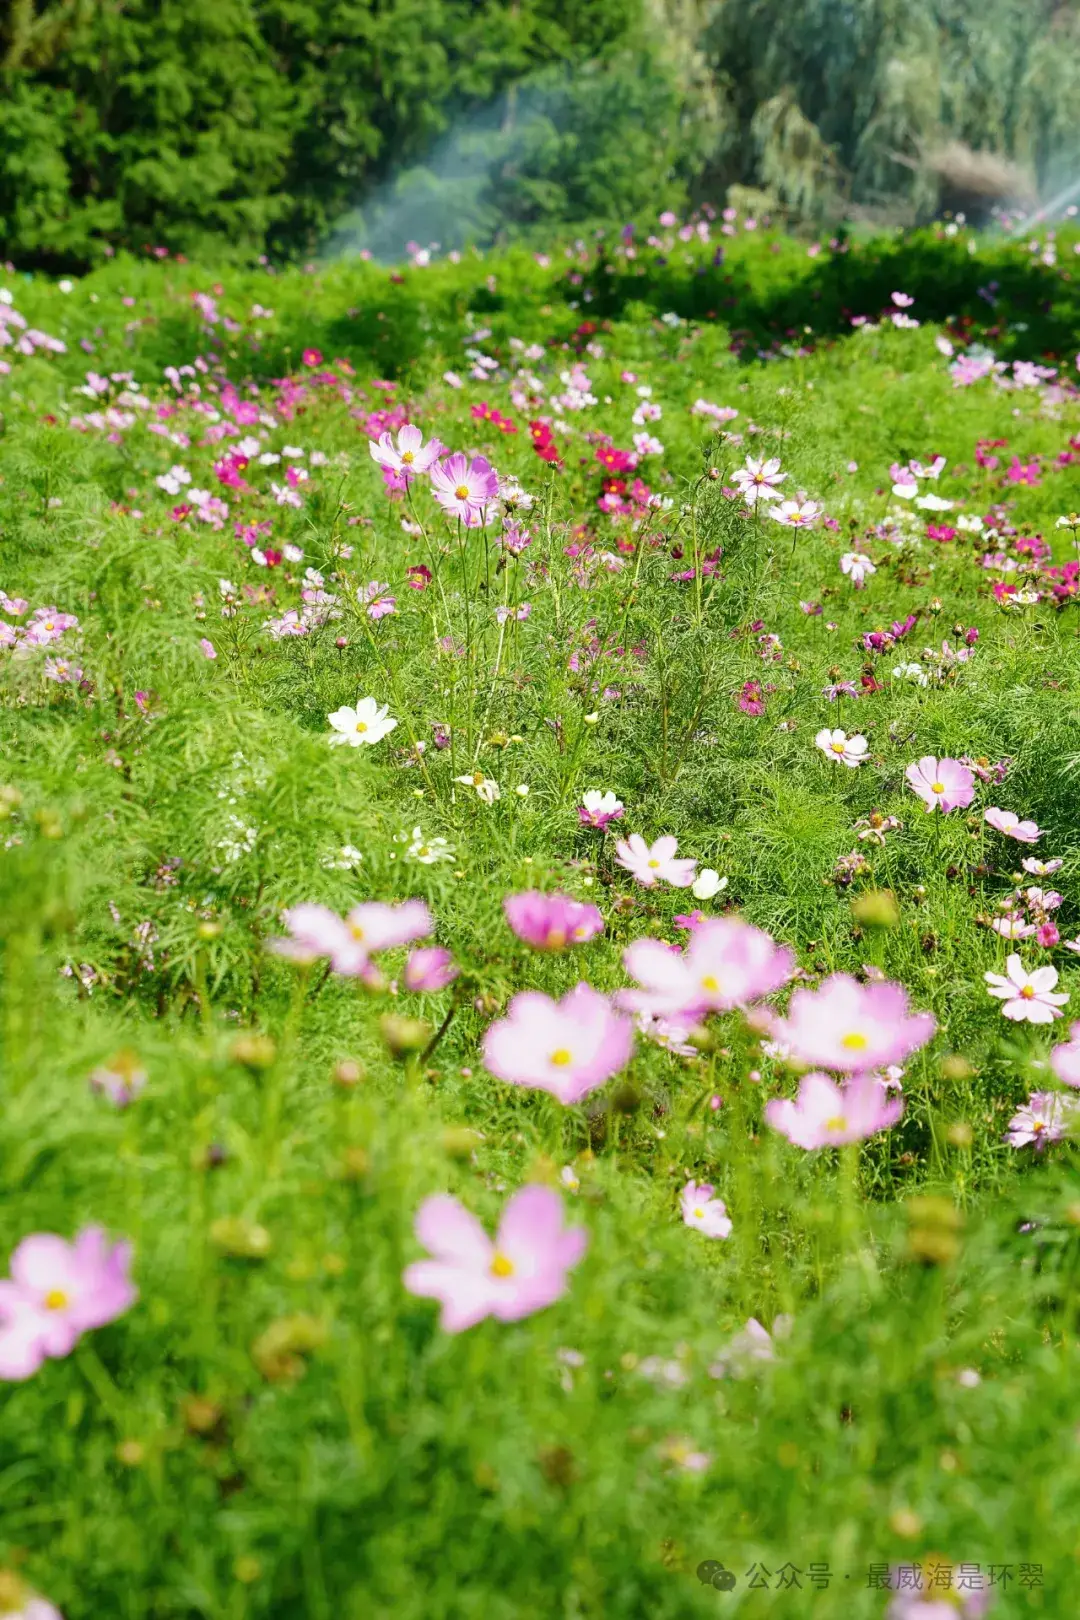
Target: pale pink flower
842,749
796,514
1009,823
1039,868
522,1271
727,963
430,968
550,922
1012,926
316,931
1045,1117
851,1026
857,567
410,455
749,1348
656,863
827,1115
207,648
1065,1059
465,489
758,480
701,1210
942,784
567,1047
57,1292
1026,997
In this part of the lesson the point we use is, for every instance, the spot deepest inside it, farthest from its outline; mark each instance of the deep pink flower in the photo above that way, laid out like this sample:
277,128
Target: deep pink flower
727,963
316,931
430,968
523,1271
567,1047
312,357
651,865
550,922
825,1114
853,1027
465,489
57,1292
942,784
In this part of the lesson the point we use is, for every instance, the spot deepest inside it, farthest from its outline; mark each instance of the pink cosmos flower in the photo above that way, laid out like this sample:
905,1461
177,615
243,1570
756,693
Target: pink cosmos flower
827,1115
599,809
465,489
758,480
1009,823
1045,1117
550,922
430,968
853,1027
654,864
1026,997
377,600
207,648
57,1292
1065,1059
796,514
409,456
316,931
727,963
1012,926
567,1047
911,1604
942,784
522,1271
701,1210
749,1347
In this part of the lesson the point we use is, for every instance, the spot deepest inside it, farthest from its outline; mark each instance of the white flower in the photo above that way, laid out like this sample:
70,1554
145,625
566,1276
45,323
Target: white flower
796,514
486,790
707,883
428,851
970,523
842,749
856,566
346,859
911,672
1026,997
934,503
364,725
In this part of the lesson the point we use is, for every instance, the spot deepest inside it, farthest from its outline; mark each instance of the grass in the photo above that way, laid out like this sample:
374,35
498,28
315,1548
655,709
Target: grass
278,1428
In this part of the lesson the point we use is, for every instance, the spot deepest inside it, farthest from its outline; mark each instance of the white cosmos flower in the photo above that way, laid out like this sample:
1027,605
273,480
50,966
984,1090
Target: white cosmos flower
707,883
362,726
428,851
485,789
842,749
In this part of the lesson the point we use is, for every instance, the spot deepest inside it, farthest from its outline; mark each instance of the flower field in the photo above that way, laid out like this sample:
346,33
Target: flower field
541,933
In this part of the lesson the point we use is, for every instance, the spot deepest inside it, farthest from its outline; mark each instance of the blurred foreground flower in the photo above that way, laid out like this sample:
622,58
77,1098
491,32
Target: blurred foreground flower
567,1047
522,1271
57,1292
827,1115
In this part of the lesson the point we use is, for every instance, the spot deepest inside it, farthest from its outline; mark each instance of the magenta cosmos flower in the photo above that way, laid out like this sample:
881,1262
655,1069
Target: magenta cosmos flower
1009,823
465,489
1027,998
410,455
942,784
853,1027
566,1047
727,963
1065,1059
550,922
827,1115
656,863
58,1291
316,931
522,1271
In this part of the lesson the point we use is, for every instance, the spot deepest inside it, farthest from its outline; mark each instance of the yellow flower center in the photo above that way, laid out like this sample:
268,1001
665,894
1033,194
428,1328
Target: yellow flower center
462,492
710,982
356,931
55,1300
361,725
837,1123
407,455
855,1041
1028,993
501,1266
556,939
937,787
561,1057
654,865
838,748
699,1214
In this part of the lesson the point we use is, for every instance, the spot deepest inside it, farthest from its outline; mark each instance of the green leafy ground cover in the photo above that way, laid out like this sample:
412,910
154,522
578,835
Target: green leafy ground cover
277,1426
